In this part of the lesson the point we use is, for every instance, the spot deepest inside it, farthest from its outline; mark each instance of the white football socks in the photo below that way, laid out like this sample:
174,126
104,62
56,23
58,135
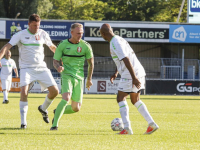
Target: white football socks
5,95
46,103
124,111
141,107
23,111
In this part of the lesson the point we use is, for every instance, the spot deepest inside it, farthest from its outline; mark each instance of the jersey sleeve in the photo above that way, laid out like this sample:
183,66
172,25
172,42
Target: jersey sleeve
119,49
47,40
15,38
1,63
89,52
14,65
59,51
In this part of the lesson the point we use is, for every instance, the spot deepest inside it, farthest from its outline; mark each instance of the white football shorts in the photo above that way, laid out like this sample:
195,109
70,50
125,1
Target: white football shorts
42,75
125,85
6,84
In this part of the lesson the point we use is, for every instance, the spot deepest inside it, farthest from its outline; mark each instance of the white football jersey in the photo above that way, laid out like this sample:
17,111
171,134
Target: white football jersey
6,69
31,50
119,49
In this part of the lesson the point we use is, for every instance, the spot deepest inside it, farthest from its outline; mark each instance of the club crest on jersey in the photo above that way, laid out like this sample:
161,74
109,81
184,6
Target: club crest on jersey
37,37
79,49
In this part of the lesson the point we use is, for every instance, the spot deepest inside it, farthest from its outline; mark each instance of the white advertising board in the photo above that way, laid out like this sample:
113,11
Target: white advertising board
2,29
37,88
102,86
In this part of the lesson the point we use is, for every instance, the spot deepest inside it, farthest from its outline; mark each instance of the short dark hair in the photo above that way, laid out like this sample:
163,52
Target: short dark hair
34,17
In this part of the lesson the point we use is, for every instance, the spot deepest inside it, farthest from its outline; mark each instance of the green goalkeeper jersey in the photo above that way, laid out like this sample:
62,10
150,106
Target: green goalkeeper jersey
73,57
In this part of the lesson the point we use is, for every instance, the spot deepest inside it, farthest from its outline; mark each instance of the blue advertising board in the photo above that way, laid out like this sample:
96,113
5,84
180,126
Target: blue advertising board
184,33
56,30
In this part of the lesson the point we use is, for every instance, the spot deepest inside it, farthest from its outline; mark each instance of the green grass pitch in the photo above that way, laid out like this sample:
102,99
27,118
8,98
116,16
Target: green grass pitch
177,116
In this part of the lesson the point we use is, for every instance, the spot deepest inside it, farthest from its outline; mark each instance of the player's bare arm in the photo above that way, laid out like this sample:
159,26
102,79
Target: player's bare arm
16,72
129,66
90,72
57,66
4,49
114,76
52,48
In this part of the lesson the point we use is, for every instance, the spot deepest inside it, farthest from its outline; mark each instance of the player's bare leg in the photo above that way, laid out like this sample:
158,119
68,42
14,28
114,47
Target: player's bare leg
53,92
73,108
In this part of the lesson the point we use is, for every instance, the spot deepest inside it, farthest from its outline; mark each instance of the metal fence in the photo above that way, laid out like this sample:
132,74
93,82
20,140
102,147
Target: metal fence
156,68
170,72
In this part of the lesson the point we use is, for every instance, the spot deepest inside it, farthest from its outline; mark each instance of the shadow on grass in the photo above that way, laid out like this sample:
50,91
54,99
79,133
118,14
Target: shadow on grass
19,97
54,133
48,132
69,134
144,98
11,129
111,98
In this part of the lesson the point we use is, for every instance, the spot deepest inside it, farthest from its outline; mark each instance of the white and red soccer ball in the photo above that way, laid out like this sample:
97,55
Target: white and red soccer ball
117,124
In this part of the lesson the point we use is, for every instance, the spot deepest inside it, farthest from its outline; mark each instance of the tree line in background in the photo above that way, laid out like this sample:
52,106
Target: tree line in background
116,10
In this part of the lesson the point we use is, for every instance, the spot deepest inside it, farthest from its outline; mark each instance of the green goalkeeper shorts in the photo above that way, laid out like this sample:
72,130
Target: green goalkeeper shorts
74,86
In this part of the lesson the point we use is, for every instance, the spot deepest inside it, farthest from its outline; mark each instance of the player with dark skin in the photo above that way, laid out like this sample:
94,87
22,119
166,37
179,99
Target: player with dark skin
107,34
131,71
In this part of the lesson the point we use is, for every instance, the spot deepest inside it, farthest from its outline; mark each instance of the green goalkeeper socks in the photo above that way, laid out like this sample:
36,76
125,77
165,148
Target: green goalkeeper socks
69,110
59,112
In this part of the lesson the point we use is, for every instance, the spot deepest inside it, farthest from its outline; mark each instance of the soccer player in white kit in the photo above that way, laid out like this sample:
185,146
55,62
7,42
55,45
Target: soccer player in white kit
132,79
7,65
32,66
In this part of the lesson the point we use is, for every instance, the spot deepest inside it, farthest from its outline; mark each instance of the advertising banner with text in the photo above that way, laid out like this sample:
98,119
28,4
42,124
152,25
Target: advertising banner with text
37,88
131,32
102,86
172,87
14,85
184,33
193,11
2,29
57,30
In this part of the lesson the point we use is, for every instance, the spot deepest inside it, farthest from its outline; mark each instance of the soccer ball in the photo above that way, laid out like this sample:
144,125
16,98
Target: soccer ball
117,124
